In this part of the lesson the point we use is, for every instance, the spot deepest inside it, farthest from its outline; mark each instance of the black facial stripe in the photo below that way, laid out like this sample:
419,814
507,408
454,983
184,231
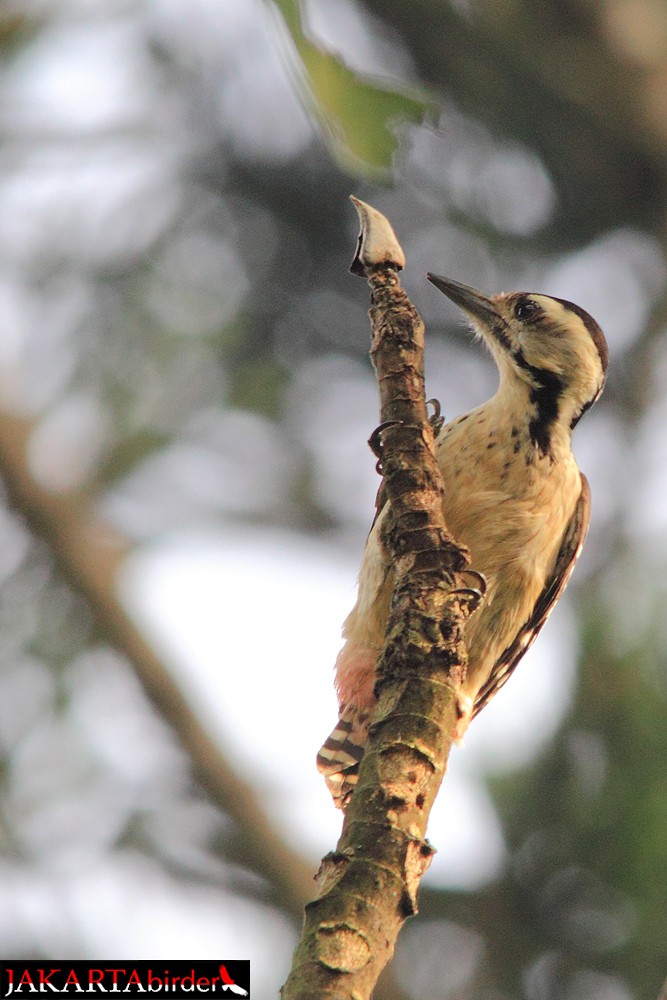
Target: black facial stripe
499,331
545,392
597,336
546,399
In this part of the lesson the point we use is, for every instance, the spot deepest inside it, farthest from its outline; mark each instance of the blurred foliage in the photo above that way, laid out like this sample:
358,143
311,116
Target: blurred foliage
179,324
358,116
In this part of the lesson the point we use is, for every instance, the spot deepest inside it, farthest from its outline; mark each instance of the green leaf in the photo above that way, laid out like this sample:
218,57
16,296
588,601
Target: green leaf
359,116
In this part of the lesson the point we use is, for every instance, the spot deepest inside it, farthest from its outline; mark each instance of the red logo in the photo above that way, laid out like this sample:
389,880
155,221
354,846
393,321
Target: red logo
177,979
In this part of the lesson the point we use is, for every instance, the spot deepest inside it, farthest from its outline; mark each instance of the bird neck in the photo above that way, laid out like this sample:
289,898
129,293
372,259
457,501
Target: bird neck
536,407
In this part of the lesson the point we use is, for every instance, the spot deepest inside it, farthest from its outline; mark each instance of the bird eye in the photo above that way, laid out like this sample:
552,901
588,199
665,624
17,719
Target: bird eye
525,308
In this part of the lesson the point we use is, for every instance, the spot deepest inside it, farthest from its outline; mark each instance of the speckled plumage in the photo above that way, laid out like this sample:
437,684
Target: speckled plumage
513,495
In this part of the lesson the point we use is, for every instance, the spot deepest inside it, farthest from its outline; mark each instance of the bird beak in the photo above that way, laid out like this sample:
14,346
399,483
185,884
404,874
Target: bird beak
475,303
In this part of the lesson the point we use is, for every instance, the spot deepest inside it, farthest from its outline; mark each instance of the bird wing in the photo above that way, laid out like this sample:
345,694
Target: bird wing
568,554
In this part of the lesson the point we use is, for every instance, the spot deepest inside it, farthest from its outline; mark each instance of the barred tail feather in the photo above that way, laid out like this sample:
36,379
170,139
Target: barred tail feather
341,753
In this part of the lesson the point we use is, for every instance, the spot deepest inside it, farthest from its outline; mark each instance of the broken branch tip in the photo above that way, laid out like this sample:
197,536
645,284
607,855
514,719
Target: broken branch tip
377,243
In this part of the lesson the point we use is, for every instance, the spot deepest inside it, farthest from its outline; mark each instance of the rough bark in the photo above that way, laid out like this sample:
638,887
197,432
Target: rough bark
368,885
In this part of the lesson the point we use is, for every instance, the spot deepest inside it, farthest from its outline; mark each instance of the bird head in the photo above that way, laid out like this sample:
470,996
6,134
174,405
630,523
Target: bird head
550,346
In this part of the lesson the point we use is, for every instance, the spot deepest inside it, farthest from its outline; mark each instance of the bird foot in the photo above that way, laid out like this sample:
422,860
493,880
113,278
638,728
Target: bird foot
375,441
473,594
436,420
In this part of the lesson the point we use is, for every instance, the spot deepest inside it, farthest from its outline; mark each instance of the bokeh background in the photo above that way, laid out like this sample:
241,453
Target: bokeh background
185,398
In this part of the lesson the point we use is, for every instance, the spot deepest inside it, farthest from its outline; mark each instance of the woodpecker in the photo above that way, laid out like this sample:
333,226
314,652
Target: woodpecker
514,496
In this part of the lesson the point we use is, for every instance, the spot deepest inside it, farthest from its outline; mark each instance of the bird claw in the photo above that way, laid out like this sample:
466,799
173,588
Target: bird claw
472,595
480,579
436,420
473,598
375,441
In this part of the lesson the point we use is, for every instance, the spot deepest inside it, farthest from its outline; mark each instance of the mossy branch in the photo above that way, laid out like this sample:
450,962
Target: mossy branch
368,886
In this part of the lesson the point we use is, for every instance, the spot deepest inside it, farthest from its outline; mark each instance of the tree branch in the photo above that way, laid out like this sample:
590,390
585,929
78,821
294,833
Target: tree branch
88,557
368,886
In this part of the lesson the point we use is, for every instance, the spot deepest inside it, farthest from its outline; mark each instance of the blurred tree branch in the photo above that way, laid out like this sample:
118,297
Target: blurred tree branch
368,886
88,557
